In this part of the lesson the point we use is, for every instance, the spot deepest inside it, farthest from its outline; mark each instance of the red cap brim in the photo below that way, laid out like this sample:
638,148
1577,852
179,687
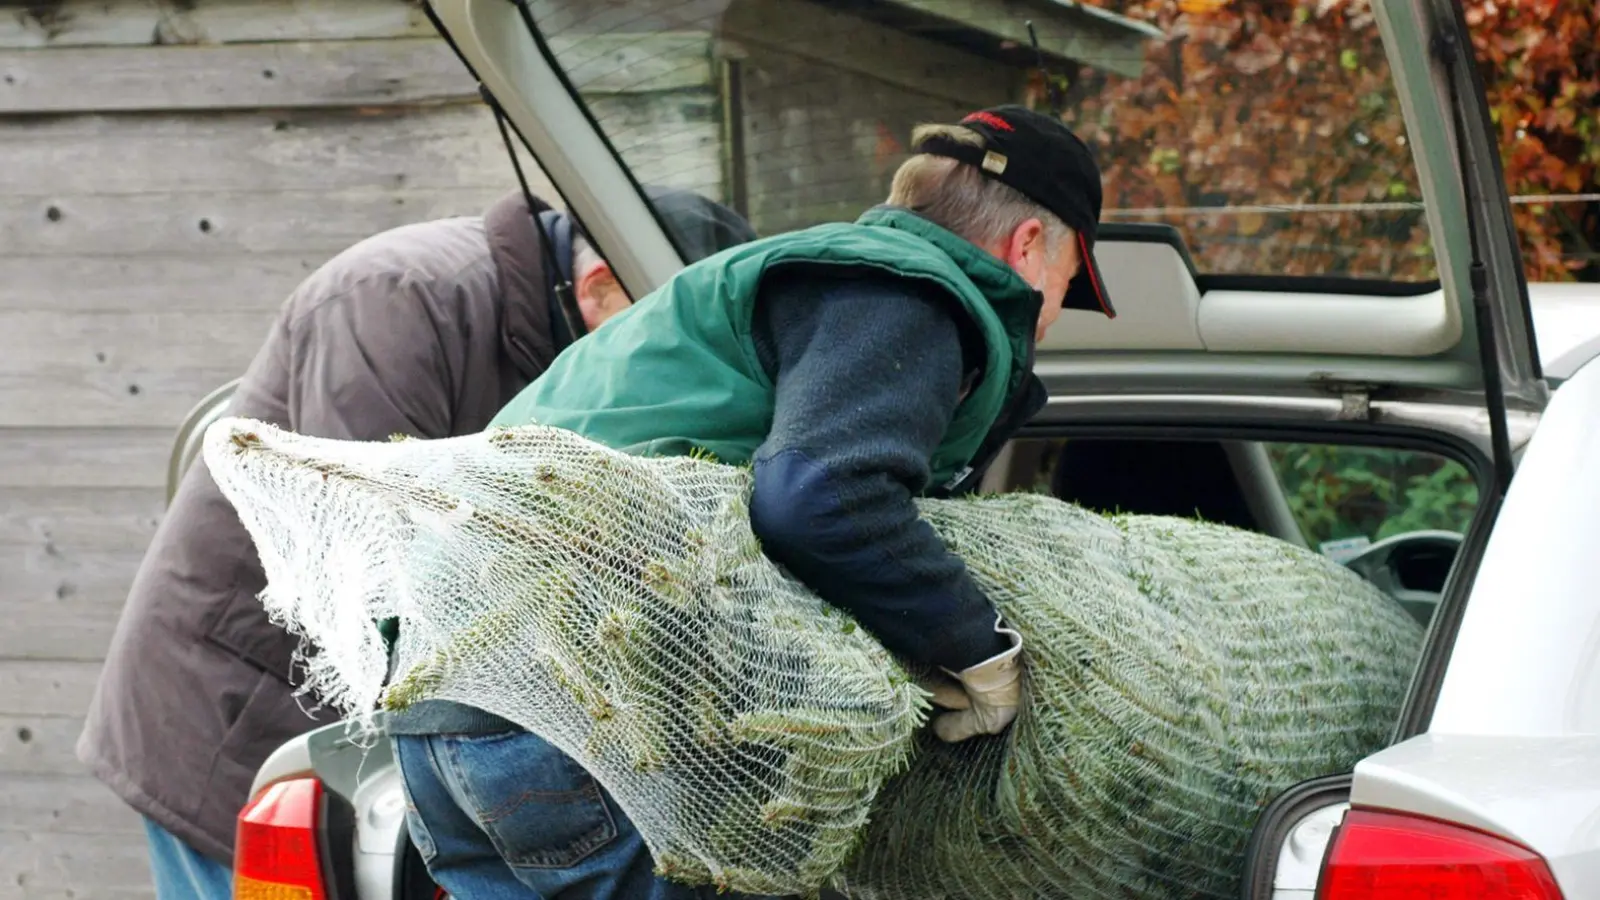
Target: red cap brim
1088,290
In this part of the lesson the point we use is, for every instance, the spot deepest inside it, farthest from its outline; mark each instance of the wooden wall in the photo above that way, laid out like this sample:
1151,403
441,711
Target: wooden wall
168,172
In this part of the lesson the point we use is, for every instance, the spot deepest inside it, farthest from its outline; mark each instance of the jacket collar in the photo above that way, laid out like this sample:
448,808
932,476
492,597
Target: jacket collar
1013,299
526,334
991,276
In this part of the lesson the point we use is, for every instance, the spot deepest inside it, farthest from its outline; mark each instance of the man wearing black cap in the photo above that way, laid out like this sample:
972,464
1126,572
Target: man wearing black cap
424,330
855,366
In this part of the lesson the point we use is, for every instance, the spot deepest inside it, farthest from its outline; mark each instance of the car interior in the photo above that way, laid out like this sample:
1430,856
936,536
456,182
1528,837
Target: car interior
1229,482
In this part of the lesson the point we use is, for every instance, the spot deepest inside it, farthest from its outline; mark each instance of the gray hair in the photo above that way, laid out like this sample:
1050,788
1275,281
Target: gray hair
960,198
583,254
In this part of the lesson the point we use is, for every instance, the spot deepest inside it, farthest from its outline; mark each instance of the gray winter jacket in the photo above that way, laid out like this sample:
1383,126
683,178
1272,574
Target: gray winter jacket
426,330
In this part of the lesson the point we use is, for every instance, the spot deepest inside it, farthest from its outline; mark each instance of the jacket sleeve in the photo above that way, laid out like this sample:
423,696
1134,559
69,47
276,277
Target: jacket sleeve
368,363
867,376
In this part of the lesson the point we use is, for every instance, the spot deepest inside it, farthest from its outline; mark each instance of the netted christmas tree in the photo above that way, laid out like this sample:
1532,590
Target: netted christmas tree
1180,674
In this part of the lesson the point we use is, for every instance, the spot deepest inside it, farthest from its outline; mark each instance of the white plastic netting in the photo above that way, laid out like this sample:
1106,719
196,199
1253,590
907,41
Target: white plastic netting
1180,674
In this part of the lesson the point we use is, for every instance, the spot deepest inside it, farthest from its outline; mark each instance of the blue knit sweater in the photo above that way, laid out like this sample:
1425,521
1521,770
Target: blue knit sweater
869,370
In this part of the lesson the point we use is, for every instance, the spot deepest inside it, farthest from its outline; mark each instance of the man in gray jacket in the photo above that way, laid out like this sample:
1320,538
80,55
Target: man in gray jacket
425,330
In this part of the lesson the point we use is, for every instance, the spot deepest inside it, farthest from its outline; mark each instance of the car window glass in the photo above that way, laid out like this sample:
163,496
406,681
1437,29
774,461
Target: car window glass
1347,495
1341,498
1273,141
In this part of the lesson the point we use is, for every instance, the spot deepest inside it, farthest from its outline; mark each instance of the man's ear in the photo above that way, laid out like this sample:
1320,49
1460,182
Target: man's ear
1025,249
595,279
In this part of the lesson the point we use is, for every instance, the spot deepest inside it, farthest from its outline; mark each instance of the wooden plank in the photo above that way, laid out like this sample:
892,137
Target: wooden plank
70,555
122,346
90,399
52,689
40,572
63,606
69,568
1065,30
48,865
117,370
81,23
316,223
841,43
80,585
248,76
64,804
36,745
58,632
150,282
85,457
317,74
455,147
69,519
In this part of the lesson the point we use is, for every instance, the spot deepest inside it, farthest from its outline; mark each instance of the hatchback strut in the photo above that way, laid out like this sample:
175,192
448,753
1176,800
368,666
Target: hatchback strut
565,301
1447,47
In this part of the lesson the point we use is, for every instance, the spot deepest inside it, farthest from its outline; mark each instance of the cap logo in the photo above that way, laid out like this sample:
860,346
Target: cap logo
994,162
989,119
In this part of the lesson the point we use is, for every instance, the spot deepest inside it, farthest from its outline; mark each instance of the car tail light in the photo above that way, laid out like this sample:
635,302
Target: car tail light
276,853
1390,856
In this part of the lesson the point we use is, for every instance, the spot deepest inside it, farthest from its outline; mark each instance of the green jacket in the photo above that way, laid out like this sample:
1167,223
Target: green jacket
678,370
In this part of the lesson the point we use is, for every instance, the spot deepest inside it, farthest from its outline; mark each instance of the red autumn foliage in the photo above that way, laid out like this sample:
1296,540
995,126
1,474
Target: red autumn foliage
1283,111
1541,65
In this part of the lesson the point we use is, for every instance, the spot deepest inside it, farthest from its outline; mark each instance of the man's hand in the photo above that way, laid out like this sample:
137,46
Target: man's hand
984,697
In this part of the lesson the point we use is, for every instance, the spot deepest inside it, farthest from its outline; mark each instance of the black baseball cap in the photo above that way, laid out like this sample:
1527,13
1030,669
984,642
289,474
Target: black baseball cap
1044,161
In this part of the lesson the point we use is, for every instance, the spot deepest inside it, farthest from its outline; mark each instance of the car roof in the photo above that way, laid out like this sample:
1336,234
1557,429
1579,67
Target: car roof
1566,324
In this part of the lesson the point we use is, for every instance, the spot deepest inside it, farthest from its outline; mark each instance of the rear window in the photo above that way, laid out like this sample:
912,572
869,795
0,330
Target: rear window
1339,500
1268,134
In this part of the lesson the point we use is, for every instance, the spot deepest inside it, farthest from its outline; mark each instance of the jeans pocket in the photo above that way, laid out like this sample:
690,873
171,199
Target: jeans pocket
537,805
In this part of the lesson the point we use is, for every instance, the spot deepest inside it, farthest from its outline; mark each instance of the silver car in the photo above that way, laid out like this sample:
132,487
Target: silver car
1406,426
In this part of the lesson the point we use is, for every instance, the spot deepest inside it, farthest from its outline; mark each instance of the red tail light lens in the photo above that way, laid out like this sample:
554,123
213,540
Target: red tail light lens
1389,856
276,855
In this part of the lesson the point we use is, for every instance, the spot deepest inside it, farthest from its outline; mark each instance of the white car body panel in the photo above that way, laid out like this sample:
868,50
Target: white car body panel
1566,324
1541,792
1526,659
1513,747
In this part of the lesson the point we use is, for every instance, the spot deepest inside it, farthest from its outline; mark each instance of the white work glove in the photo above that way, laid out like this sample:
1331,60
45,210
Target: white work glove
985,696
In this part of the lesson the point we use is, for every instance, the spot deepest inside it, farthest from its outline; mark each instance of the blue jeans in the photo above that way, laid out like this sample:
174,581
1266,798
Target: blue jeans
181,873
508,815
